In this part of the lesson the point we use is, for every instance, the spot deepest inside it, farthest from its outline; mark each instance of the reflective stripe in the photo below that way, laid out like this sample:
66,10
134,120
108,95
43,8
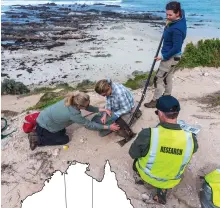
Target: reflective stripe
153,151
152,156
149,174
187,155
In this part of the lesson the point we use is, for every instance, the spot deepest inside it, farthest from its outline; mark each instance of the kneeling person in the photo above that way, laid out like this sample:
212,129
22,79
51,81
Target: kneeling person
161,154
52,121
120,101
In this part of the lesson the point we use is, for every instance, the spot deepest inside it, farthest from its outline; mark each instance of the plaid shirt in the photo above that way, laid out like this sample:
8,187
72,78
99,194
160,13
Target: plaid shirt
121,100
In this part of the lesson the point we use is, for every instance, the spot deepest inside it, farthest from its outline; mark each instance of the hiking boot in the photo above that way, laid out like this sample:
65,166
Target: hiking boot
33,140
137,178
151,104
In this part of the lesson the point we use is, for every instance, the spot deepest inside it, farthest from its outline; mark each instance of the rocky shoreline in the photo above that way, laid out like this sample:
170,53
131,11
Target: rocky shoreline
48,44
49,25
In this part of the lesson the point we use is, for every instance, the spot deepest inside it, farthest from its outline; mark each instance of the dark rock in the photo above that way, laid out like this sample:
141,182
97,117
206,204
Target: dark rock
194,14
88,40
102,55
61,58
24,16
4,75
112,6
109,13
18,75
154,17
198,24
93,10
84,5
34,64
44,15
65,76
51,4
64,9
55,45
14,16
99,4
159,11
29,70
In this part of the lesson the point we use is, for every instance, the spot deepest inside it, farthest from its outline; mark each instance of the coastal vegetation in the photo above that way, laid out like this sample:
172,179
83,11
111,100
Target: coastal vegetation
51,95
10,86
203,53
139,81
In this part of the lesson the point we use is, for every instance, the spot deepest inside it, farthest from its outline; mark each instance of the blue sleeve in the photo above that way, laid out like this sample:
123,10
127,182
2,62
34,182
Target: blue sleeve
177,40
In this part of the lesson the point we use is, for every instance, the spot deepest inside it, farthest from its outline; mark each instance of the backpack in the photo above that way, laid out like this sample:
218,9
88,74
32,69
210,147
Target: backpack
30,122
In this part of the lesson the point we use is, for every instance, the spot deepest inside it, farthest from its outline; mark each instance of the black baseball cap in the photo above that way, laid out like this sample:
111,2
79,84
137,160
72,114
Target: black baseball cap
168,104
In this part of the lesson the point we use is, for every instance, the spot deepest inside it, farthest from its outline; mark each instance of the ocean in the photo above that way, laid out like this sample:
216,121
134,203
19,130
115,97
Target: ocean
203,13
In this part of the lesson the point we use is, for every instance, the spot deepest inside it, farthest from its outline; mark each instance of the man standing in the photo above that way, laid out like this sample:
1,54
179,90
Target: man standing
174,35
161,154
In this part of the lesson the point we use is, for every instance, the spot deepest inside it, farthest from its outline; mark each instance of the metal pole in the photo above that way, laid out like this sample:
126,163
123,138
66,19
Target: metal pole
146,84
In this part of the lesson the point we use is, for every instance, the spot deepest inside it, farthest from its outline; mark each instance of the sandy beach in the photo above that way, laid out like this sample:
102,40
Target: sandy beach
118,50
82,45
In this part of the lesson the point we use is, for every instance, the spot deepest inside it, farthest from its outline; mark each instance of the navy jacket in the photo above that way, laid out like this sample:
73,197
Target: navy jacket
174,36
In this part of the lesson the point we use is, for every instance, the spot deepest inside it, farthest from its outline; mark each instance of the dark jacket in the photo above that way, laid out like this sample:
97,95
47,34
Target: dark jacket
141,145
174,35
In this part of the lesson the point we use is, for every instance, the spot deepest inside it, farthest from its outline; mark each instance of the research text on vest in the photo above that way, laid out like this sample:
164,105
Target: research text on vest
170,150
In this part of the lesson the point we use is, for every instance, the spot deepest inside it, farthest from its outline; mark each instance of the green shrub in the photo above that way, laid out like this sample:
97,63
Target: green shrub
139,81
85,84
49,98
42,90
10,86
64,86
204,53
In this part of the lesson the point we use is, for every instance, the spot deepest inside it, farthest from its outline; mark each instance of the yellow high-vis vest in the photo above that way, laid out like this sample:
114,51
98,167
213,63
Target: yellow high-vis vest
170,151
213,179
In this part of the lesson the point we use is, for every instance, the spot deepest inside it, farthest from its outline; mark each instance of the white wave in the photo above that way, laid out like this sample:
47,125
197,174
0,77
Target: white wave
18,2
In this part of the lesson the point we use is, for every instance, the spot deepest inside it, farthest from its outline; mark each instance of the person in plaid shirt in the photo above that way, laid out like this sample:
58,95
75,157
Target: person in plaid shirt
119,100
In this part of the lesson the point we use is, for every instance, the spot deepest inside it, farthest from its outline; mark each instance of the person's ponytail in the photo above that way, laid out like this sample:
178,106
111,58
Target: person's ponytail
80,99
69,100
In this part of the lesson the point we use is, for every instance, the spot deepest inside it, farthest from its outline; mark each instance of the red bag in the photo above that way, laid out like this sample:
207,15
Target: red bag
30,122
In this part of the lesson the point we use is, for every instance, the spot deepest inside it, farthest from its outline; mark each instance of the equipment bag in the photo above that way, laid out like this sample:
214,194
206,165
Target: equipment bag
30,122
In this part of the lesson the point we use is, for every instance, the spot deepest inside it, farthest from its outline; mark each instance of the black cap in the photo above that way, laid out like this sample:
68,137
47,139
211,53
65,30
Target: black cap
168,104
